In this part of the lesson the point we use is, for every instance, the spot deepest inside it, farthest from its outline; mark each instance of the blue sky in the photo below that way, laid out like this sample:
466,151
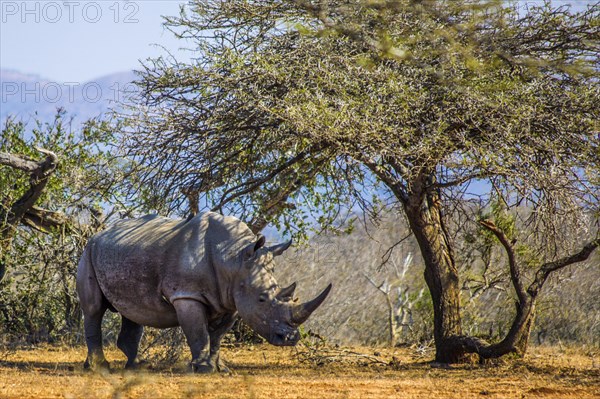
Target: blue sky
79,40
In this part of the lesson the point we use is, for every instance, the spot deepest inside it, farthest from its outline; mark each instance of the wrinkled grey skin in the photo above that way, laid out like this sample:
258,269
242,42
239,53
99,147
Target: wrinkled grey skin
197,273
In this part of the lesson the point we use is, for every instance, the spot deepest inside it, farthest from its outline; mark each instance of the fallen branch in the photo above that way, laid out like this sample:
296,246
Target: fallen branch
316,352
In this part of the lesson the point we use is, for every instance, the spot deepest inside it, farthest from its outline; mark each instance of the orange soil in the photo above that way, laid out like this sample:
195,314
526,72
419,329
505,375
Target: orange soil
265,371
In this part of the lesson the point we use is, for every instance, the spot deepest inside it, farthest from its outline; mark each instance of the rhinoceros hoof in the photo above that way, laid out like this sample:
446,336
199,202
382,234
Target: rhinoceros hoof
202,368
222,368
96,366
136,365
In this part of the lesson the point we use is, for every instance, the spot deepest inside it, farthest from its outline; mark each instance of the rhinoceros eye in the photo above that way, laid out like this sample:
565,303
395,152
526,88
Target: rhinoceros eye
263,297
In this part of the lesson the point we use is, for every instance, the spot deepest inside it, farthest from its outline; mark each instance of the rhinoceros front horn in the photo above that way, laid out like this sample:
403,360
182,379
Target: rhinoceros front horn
287,294
300,313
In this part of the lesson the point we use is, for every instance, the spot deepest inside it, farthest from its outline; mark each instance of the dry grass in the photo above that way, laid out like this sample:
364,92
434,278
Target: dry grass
268,372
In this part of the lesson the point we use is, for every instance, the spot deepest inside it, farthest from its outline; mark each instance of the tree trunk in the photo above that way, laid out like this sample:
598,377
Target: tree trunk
425,218
391,323
522,340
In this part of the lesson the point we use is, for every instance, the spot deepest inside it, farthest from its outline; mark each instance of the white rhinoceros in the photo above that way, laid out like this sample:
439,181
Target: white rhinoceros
197,273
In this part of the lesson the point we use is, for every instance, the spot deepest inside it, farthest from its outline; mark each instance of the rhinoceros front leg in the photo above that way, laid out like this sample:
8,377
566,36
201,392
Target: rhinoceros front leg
217,331
192,318
129,341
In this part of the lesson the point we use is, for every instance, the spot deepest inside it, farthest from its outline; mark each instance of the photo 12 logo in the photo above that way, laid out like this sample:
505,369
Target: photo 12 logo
65,93
69,11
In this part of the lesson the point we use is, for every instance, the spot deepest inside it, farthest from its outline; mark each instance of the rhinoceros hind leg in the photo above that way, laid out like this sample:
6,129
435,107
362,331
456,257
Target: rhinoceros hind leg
93,337
129,341
93,305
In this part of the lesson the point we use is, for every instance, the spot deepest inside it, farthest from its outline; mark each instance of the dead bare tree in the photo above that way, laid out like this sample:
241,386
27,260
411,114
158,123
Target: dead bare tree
23,210
398,300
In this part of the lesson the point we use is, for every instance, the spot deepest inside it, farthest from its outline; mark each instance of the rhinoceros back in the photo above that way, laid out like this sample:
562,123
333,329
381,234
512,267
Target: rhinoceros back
131,259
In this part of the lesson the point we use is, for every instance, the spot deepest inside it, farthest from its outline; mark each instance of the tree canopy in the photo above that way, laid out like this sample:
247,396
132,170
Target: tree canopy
298,107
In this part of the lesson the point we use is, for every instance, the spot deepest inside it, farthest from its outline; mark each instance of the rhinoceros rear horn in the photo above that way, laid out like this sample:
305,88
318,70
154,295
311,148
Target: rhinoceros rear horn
287,294
300,313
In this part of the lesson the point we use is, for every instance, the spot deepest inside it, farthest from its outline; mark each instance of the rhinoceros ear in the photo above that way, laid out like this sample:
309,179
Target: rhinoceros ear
251,249
278,249
260,242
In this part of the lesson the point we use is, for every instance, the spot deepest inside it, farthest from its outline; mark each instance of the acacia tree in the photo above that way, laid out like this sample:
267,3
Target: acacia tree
325,103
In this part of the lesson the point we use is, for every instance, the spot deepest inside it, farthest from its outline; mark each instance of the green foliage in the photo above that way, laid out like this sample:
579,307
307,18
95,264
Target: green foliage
37,296
86,170
38,302
530,258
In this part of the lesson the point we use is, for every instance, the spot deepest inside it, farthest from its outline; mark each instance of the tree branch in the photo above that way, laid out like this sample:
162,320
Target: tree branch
39,175
18,162
388,253
549,267
37,183
379,287
386,177
462,180
278,201
43,219
252,185
515,273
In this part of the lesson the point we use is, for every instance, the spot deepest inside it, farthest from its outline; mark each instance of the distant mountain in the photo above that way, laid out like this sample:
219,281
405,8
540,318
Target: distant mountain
12,75
24,95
